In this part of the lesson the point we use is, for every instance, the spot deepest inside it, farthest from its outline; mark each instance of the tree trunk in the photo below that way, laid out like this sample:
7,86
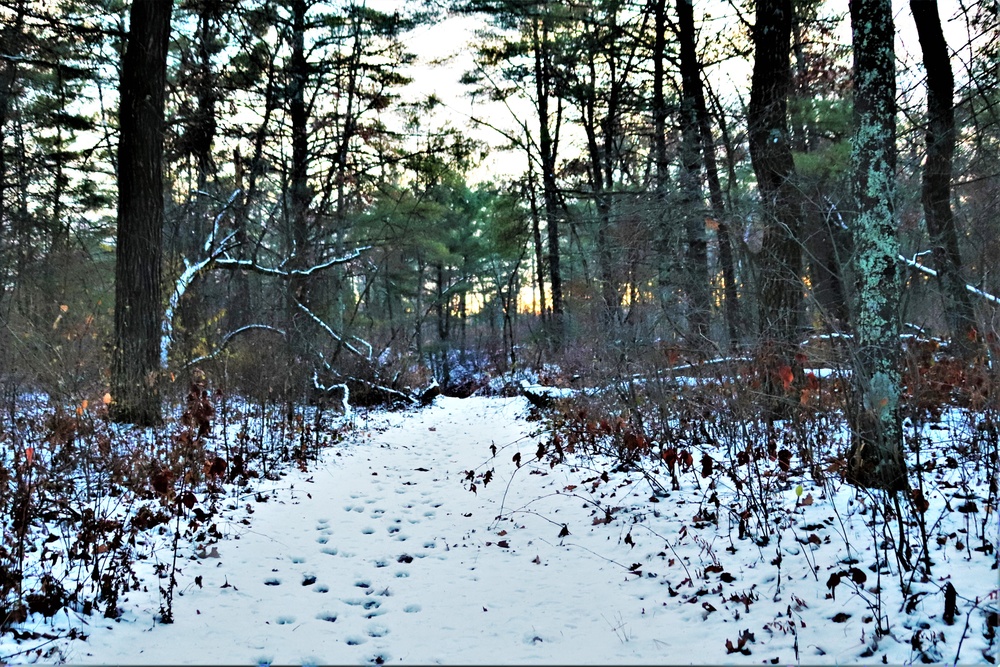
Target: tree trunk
9,159
135,357
936,190
875,459
662,170
692,198
731,304
536,236
780,287
298,185
547,145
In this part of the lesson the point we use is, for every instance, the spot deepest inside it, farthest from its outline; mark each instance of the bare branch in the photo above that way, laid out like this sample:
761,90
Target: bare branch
230,263
333,334
188,276
230,336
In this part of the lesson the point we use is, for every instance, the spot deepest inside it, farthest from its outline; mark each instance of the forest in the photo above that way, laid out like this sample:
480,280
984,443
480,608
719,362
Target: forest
699,237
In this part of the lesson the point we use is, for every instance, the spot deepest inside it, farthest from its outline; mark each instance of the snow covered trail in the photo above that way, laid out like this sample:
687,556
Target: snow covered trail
379,554
382,557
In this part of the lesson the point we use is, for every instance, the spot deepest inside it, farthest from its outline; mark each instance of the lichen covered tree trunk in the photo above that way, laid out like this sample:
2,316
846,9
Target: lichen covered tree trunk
875,457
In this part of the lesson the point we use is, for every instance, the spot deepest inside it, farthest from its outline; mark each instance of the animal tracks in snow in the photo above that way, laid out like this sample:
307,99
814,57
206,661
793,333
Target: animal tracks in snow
350,563
367,584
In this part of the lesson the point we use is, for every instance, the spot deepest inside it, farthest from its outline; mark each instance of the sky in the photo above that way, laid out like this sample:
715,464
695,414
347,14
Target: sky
447,43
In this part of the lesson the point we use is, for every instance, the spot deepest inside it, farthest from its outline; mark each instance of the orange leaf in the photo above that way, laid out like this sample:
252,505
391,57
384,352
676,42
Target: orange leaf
29,454
107,398
786,376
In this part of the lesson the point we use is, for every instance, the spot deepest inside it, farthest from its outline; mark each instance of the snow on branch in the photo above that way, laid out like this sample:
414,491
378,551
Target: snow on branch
380,388
232,263
230,336
191,271
215,256
912,262
333,334
345,401
931,272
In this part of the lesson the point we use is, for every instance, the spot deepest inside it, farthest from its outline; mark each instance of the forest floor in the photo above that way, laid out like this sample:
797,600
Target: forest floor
380,552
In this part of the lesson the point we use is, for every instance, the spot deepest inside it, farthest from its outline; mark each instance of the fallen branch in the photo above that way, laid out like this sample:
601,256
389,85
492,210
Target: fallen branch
345,400
913,263
188,276
333,334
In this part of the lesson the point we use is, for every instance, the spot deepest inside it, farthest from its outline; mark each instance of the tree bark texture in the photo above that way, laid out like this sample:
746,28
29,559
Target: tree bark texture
875,457
138,318
547,145
298,184
780,257
692,197
936,186
731,305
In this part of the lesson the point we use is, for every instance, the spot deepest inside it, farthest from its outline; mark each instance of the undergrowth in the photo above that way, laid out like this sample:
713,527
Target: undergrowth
84,500
694,434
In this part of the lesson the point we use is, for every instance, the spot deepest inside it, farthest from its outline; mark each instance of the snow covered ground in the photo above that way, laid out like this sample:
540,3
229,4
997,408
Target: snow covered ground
380,553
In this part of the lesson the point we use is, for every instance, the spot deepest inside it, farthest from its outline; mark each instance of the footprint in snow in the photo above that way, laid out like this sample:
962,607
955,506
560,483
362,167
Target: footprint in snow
272,581
308,579
367,530
327,616
378,631
412,608
285,620
365,603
